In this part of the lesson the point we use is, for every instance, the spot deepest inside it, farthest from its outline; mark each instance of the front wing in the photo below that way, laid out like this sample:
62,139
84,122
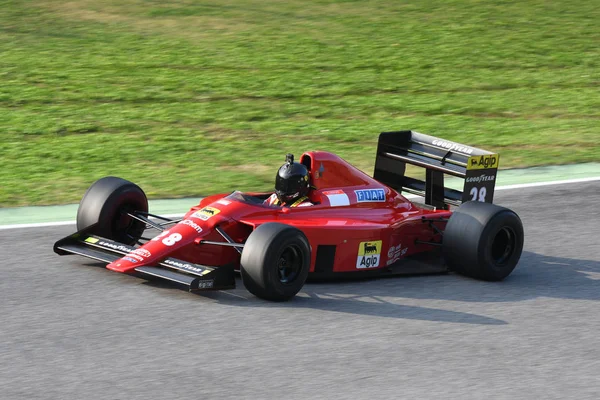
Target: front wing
193,276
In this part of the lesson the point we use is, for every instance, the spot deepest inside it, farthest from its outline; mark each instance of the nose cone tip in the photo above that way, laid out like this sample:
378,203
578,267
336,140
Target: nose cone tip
121,265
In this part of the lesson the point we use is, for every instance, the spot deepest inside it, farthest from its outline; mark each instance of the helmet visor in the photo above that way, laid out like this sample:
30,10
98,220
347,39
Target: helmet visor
288,186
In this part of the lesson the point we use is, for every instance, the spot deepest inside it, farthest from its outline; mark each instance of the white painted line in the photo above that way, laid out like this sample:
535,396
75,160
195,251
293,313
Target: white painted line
505,187
37,225
61,223
549,183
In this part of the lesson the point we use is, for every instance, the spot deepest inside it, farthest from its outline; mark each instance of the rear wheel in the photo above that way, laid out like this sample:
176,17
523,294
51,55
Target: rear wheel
104,208
483,241
275,261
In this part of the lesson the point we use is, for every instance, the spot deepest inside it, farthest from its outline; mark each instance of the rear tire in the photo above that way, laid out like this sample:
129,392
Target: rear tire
275,261
104,205
483,241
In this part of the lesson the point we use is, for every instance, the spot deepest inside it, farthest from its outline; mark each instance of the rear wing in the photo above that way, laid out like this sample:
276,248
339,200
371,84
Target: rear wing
439,157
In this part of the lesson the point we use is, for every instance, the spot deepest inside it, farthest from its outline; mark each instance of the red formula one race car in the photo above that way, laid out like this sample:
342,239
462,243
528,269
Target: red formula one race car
357,225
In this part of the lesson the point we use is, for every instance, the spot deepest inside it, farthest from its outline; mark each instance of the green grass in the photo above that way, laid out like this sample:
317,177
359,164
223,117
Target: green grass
189,97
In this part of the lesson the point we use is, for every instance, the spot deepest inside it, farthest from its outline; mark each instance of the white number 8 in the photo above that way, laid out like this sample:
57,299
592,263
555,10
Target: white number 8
170,240
481,191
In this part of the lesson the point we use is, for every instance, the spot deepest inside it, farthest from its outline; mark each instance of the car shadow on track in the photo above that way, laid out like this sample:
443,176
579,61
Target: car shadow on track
342,300
536,276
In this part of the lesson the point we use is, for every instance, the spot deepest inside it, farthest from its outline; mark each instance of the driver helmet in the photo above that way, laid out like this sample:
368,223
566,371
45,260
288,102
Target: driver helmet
292,180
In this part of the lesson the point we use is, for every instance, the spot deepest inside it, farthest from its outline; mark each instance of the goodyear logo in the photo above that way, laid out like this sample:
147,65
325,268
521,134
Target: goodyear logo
206,213
483,162
369,254
367,195
92,240
450,146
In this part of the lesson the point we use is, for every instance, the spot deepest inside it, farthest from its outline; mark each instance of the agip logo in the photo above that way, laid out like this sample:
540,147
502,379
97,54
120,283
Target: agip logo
369,254
206,213
483,162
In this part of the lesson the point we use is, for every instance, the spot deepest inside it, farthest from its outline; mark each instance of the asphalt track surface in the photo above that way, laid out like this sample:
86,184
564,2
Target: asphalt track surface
71,329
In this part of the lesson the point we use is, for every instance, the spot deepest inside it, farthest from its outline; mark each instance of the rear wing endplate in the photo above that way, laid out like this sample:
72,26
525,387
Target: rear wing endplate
439,157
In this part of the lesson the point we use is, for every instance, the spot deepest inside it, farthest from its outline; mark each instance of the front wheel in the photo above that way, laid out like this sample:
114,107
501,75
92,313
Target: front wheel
275,261
483,241
104,208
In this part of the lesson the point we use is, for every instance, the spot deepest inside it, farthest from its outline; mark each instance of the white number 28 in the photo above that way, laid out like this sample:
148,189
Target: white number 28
478,194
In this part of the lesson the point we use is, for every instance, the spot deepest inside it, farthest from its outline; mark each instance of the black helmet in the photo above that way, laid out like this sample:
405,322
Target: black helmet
291,182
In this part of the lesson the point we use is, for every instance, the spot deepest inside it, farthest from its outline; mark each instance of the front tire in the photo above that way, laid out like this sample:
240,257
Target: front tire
275,261
483,241
104,206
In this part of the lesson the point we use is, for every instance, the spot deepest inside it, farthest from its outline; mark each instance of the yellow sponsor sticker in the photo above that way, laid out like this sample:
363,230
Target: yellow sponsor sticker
487,161
206,213
92,240
210,211
369,254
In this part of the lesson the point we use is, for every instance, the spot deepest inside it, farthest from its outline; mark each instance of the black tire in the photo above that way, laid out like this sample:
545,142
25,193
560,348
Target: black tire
483,241
275,261
103,205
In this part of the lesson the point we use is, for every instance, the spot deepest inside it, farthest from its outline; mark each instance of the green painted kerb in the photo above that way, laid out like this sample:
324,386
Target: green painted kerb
32,215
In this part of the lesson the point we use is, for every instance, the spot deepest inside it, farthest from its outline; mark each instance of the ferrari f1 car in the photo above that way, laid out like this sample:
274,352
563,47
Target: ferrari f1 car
358,226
